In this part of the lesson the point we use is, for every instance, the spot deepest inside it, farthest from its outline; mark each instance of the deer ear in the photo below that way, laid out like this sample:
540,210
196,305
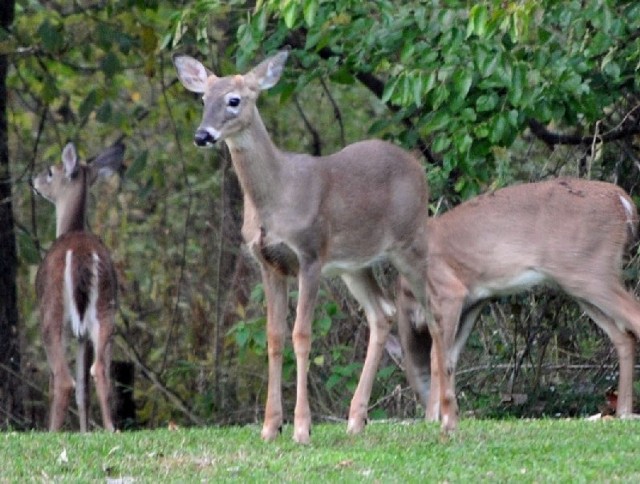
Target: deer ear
108,162
192,74
70,160
268,72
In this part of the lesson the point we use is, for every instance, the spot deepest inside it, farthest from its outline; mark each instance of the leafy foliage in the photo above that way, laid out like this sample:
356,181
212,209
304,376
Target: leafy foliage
469,79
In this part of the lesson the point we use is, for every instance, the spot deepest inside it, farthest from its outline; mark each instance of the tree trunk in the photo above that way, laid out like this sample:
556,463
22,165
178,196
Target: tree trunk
10,384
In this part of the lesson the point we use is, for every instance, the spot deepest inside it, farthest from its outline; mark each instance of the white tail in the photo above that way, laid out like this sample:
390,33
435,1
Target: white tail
569,232
76,283
304,216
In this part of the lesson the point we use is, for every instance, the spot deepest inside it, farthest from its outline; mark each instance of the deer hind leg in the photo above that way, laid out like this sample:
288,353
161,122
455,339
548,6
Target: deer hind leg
308,284
378,311
60,380
455,337
412,266
101,335
83,358
275,287
416,346
618,314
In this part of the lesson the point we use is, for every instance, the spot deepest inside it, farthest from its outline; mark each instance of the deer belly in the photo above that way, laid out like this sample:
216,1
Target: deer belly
507,285
81,292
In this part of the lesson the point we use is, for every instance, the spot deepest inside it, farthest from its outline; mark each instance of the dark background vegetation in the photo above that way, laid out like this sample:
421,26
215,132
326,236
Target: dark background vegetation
488,93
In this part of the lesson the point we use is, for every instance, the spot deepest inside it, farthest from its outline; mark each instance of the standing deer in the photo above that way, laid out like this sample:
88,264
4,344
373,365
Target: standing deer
569,232
76,284
305,216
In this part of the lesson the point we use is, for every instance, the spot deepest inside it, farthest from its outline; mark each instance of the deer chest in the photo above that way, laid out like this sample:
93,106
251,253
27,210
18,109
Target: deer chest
275,254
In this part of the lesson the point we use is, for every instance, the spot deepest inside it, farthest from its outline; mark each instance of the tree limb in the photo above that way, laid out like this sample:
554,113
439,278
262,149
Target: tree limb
551,139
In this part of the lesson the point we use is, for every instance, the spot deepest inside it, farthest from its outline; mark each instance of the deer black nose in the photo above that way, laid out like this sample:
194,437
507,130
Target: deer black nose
203,138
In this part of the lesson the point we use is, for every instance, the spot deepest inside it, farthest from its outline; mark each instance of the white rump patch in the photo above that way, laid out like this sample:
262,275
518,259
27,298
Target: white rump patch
628,207
80,327
630,210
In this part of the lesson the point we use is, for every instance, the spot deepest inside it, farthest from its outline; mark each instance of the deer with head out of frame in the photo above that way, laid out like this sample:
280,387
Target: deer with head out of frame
568,232
76,283
305,216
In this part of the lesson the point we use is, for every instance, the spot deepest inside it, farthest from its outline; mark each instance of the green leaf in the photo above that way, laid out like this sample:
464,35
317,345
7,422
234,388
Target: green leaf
486,102
518,83
499,129
241,335
323,325
417,85
27,249
441,143
103,115
389,89
138,165
110,65
51,37
290,13
309,10
386,372
477,20
342,76
462,80
88,104
437,121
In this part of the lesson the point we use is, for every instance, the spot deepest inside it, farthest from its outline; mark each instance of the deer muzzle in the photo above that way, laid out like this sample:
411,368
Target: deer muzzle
204,137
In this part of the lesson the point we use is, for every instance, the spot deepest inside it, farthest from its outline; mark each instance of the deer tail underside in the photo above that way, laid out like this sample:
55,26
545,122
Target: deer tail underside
631,213
81,290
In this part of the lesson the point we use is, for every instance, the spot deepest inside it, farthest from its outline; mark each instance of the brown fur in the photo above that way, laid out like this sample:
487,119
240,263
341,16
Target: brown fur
573,233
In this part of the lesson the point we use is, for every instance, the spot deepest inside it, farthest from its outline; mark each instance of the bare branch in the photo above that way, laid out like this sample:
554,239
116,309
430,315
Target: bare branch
619,132
316,145
336,111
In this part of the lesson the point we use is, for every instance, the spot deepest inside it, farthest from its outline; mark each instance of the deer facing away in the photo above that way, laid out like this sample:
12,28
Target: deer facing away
569,232
76,284
305,216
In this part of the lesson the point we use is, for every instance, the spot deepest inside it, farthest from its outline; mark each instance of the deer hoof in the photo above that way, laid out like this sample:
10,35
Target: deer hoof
356,425
449,425
302,436
269,434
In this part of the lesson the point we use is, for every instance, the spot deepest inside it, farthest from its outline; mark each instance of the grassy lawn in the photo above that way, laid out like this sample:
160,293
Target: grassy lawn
481,450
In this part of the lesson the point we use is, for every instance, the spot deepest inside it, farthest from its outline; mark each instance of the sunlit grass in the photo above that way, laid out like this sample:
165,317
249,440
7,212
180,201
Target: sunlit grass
481,450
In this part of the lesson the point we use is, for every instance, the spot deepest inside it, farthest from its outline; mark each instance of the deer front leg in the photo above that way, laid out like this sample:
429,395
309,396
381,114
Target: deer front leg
377,310
308,283
275,287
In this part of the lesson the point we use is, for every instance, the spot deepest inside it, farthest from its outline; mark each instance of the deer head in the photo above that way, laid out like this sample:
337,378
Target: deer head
229,102
66,185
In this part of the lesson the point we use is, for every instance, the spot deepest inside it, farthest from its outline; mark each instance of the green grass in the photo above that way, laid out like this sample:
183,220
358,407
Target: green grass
481,450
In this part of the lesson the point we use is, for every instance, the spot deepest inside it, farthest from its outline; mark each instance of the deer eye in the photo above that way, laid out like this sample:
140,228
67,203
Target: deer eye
233,102
49,174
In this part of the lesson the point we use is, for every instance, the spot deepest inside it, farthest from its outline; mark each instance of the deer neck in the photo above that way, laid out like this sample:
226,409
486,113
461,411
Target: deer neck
257,161
71,212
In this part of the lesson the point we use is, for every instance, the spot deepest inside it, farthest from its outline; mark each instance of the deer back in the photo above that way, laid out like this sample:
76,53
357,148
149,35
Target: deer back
553,228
